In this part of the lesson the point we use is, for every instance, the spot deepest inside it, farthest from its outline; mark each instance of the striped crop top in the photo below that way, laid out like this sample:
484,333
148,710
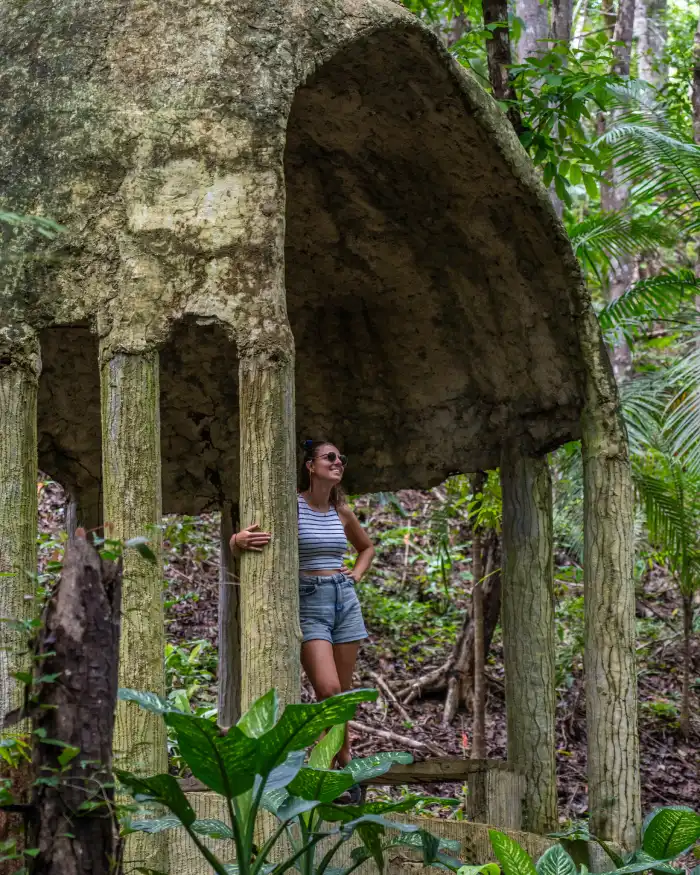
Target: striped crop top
322,541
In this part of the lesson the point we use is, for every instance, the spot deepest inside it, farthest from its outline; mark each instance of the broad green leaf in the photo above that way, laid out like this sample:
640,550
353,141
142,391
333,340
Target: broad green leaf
273,799
226,764
430,845
671,832
415,840
643,862
514,860
212,828
555,861
323,785
156,824
300,725
348,813
371,835
324,753
283,774
293,806
148,701
68,754
375,765
378,820
261,716
159,788
486,869
140,544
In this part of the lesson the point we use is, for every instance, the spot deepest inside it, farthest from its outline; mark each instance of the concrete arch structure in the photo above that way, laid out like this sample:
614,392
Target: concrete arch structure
263,198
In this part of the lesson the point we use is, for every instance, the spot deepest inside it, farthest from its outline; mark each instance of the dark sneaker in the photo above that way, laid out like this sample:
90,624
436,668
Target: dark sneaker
354,796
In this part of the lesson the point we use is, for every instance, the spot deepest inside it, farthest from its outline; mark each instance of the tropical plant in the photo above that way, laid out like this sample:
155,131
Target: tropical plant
668,833
260,764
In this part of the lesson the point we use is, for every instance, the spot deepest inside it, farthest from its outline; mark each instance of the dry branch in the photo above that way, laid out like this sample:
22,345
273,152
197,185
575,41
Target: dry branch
389,695
399,739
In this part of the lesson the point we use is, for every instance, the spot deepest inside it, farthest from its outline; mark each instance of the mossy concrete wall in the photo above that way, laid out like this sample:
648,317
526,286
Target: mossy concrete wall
229,173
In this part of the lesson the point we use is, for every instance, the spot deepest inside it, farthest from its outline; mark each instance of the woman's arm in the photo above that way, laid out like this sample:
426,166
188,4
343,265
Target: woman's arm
249,539
360,541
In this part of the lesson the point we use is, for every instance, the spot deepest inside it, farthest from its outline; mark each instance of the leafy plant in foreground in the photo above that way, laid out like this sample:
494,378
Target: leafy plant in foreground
261,764
668,833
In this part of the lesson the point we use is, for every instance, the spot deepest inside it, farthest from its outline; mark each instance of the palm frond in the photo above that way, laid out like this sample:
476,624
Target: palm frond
682,415
615,235
642,400
666,517
46,227
656,165
567,503
654,299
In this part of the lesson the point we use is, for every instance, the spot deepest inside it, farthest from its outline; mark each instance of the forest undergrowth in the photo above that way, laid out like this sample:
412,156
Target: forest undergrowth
413,608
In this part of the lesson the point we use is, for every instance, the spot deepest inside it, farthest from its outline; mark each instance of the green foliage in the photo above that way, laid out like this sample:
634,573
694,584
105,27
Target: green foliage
668,833
671,832
559,94
260,764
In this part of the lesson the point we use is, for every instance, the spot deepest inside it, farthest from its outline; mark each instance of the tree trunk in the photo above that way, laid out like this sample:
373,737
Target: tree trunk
479,690
687,663
695,97
651,31
613,192
79,643
479,724
609,657
527,619
229,623
271,635
461,660
491,603
562,20
19,379
499,57
533,41
622,37
131,474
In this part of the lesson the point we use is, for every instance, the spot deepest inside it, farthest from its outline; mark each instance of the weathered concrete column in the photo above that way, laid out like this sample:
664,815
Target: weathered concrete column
527,618
229,623
269,580
20,365
132,508
610,656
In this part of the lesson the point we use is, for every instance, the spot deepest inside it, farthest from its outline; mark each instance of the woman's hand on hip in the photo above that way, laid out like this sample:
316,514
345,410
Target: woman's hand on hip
250,539
352,574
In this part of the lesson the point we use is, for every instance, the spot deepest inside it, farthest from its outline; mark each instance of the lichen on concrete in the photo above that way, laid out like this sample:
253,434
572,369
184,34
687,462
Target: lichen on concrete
234,171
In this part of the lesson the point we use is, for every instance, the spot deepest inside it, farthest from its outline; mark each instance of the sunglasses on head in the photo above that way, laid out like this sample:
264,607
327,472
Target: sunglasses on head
333,456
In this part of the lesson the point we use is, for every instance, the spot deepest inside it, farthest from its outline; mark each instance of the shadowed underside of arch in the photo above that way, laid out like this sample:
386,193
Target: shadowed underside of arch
429,290
433,315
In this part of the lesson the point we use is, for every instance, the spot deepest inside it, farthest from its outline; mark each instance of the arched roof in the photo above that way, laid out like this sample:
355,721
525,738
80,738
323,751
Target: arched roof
432,294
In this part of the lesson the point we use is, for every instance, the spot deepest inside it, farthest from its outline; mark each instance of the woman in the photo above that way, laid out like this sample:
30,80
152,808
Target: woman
330,614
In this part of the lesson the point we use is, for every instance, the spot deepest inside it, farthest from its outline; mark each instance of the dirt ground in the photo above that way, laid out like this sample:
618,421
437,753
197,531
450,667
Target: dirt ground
670,763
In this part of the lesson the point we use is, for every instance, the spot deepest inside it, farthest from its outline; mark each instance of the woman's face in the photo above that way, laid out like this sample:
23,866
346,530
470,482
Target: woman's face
323,469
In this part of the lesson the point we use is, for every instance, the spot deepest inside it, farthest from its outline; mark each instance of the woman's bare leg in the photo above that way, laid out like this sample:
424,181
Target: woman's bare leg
330,668
345,657
318,661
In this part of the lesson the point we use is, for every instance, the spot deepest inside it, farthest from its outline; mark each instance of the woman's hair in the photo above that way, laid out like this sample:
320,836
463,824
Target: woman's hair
311,448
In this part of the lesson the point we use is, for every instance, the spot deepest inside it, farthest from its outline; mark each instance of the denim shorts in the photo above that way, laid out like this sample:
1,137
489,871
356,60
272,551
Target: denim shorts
329,609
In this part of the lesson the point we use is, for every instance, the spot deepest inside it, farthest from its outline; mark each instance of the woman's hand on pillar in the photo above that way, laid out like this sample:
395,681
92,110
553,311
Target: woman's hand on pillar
250,539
